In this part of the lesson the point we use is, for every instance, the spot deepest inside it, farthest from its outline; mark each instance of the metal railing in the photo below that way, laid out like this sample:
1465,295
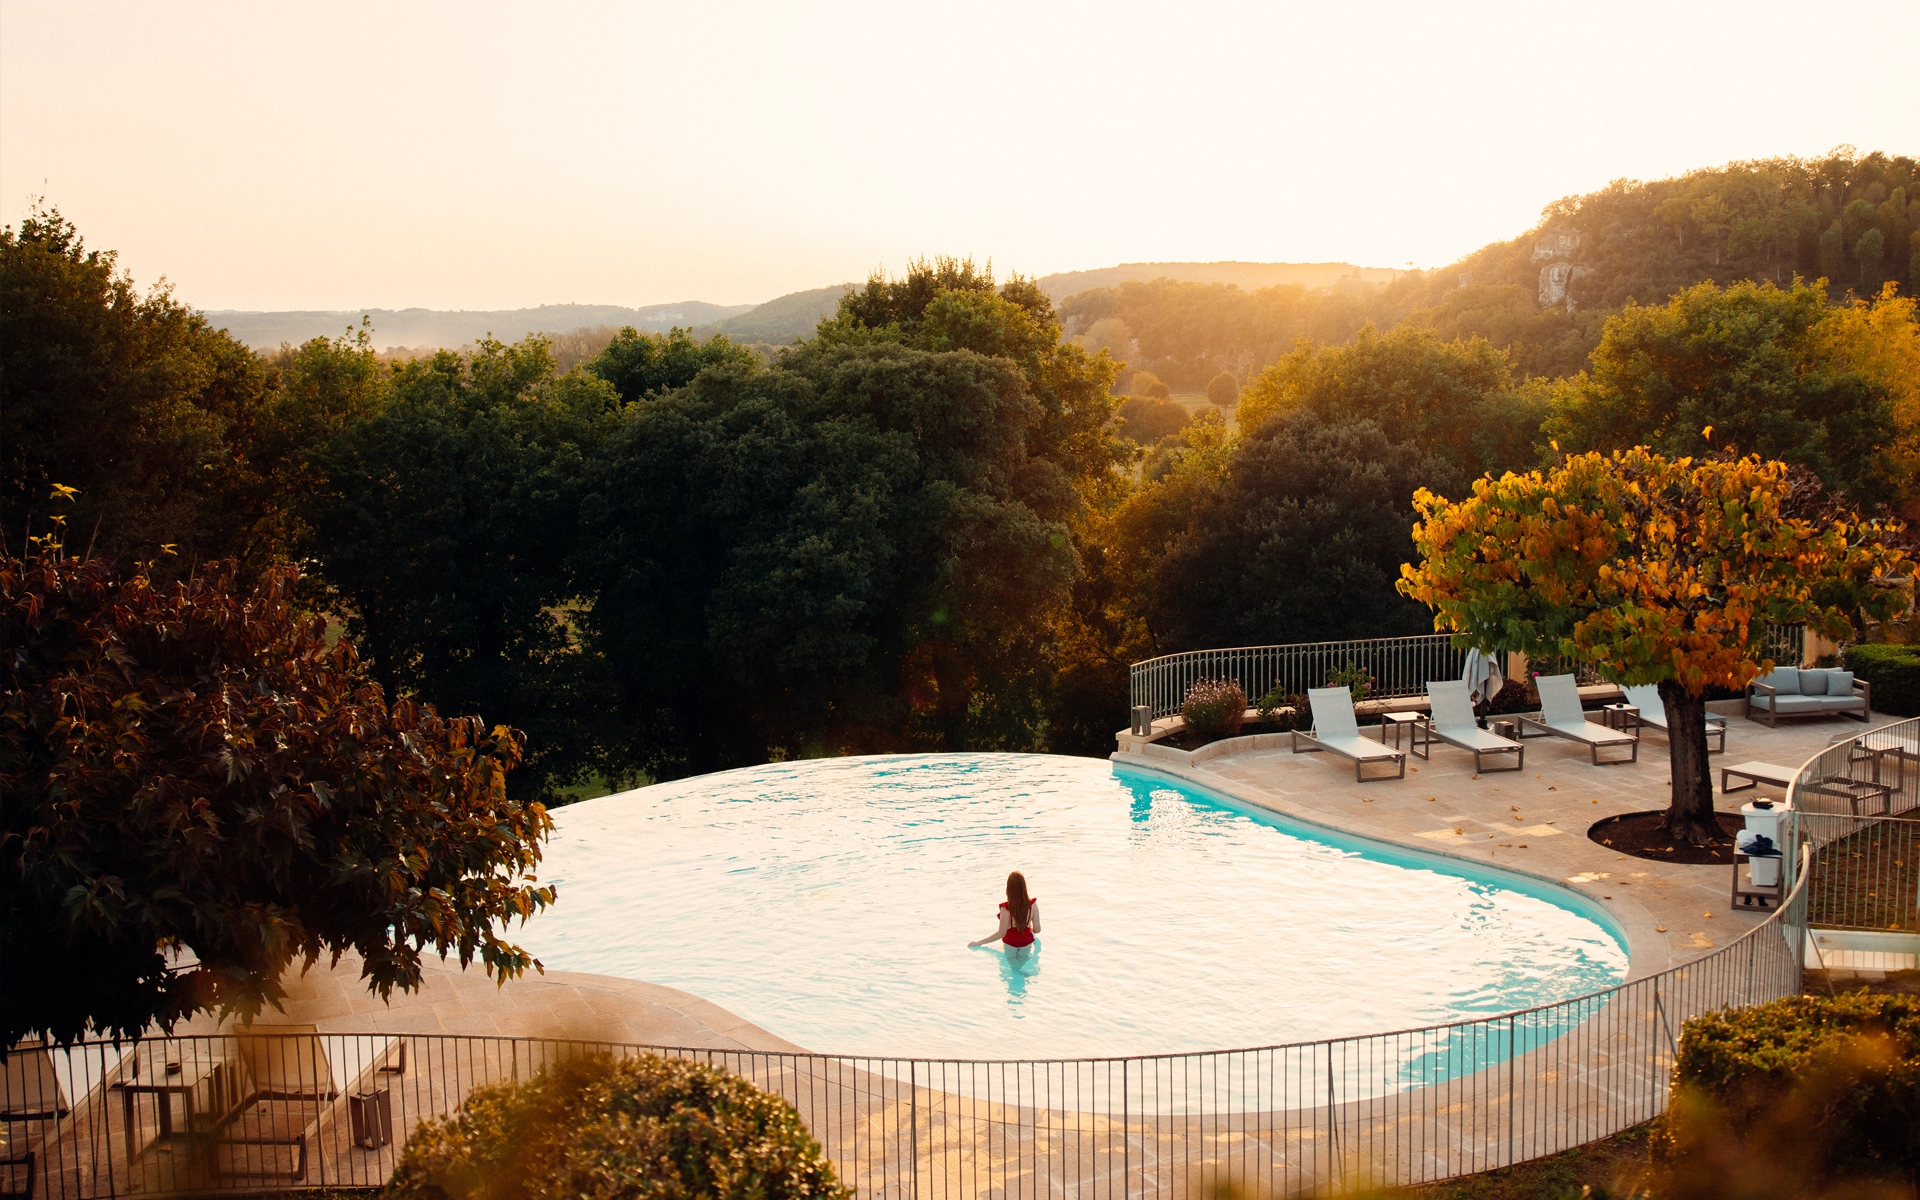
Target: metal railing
284,1111
1856,812
1398,666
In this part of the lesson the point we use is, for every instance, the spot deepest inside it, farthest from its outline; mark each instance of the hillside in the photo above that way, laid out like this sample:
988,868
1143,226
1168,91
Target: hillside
1545,295
433,327
780,320
1247,276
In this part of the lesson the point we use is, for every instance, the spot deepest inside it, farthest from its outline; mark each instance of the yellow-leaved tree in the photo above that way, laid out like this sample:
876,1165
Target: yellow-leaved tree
1652,570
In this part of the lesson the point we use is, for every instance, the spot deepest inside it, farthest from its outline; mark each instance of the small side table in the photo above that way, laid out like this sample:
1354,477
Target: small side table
1415,724
1620,716
193,1073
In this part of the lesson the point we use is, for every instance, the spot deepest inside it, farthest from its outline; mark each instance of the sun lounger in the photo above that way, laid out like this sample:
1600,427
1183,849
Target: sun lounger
1561,716
1451,716
29,1091
1652,714
285,1063
1337,731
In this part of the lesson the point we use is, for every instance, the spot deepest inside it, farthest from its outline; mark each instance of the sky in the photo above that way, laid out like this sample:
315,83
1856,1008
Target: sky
482,156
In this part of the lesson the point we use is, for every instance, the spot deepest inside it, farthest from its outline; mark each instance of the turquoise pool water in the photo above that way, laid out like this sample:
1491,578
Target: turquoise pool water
831,902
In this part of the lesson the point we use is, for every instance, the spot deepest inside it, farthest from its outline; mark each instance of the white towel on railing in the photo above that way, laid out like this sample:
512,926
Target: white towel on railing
1482,673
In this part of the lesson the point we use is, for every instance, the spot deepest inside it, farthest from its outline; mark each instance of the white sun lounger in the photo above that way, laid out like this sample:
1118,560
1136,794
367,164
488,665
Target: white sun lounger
1451,713
1336,730
1653,714
1562,716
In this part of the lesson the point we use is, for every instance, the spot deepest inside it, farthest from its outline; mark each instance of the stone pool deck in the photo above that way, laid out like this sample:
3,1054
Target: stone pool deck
1533,821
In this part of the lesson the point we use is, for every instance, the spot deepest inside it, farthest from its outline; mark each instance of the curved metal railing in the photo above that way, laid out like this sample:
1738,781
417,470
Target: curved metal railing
1387,1109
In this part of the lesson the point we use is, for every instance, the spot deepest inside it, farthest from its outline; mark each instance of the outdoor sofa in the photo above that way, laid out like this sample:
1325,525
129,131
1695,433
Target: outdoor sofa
1652,714
1561,716
1450,720
1336,730
1801,692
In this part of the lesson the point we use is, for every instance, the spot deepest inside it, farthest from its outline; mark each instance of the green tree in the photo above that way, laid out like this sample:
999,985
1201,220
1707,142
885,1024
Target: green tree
1146,420
196,789
1223,391
1833,252
643,364
1454,399
1868,251
856,549
446,530
136,401
1651,570
1740,367
1309,509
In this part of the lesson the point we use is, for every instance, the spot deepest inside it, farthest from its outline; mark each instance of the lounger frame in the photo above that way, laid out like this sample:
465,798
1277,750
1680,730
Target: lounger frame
1437,732
1600,738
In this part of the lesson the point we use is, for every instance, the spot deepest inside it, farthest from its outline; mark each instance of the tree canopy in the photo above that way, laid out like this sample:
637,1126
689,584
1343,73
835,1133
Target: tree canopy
197,789
1740,366
1651,570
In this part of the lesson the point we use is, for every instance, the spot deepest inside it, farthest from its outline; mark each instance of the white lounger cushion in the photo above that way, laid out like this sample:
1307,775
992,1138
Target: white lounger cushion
1336,728
1560,709
1452,712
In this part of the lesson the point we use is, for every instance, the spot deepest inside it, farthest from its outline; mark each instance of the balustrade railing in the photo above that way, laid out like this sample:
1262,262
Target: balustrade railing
1399,666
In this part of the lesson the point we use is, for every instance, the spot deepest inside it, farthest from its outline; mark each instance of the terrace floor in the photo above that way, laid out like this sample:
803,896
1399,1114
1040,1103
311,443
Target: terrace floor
1533,821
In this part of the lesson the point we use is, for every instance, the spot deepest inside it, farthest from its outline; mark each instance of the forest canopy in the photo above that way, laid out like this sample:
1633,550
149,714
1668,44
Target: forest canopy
939,523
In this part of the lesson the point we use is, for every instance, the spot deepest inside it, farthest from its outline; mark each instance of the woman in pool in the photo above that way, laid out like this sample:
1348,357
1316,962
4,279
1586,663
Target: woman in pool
1019,916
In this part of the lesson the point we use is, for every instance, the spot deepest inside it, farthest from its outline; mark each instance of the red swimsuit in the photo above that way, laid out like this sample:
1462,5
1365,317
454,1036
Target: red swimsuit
1016,936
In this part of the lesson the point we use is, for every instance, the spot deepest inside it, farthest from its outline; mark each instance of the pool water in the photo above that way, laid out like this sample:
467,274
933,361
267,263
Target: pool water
831,902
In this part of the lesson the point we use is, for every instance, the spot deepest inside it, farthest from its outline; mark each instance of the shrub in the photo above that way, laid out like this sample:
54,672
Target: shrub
1514,697
603,1127
1214,708
1146,420
1146,383
1270,705
1354,679
1222,391
1808,1088
1894,672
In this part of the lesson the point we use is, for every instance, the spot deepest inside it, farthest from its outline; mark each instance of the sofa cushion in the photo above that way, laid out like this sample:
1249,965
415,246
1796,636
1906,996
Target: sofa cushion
1839,683
1839,703
1804,704
1813,683
1785,680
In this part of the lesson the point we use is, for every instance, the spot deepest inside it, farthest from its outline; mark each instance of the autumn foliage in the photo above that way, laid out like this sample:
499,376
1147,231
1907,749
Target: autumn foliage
197,789
1651,570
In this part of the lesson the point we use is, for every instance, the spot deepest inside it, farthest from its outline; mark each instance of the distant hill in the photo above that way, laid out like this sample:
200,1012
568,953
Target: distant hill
432,327
1247,276
780,321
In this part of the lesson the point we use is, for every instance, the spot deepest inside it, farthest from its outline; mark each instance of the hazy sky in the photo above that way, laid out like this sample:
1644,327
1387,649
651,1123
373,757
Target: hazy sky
269,155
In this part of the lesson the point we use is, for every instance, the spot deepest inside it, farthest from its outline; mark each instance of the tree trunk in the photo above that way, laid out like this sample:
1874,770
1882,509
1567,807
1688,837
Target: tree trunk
1690,819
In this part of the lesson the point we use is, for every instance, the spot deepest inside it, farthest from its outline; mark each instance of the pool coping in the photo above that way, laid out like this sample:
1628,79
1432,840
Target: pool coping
1650,947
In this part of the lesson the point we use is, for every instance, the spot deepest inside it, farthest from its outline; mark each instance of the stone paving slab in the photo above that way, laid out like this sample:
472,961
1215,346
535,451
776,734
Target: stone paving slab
1533,821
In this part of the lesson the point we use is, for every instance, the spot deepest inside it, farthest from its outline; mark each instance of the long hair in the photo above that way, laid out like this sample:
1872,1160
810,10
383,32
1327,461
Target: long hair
1017,903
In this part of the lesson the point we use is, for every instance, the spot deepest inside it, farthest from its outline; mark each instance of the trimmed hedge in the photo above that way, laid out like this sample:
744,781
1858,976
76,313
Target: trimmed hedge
1894,672
598,1127
1815,1086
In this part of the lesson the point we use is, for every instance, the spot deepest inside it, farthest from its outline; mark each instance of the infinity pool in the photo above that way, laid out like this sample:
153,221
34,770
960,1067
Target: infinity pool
831,902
